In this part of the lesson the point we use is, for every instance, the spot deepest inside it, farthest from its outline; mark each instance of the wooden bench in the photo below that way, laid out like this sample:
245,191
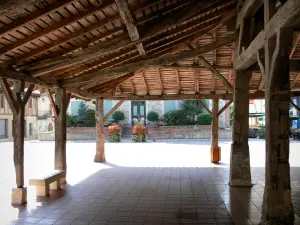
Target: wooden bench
50,182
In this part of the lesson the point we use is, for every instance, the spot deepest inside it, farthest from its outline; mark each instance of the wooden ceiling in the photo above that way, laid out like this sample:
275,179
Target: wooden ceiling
125,48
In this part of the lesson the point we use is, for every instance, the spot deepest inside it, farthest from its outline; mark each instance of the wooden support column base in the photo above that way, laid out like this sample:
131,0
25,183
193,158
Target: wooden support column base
240,174
19,196
99,158
215,154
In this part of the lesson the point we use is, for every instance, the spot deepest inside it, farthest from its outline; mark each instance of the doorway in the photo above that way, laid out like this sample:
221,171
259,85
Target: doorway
138,110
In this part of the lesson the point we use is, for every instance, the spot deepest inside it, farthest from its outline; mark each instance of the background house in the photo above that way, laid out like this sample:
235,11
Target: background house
31,113
132,109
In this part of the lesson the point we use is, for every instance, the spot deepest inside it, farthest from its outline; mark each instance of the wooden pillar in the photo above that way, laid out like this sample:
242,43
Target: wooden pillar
17,105
277,204
240,173
61,105
100,151
215,150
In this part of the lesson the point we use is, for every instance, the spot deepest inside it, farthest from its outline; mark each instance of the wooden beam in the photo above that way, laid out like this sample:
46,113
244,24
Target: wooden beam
18,23
215,152
249,8
113,110
177,81
284,17
144,81
129,22
144,64
225,107
295,45
64,40
205,107
195,67
52,103
16,7
52,28
5,73
196,80
100,139
60,159
295,106
216,73
9,96
117,83
28,94
122,41
295,81
113,82
160,81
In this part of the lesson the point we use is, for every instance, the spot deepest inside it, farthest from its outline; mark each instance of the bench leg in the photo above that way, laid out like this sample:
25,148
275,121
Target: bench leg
55,186
42,190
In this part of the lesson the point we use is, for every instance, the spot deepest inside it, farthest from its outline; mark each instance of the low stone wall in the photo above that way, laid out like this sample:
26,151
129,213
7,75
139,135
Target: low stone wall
155,132
81,133
185,132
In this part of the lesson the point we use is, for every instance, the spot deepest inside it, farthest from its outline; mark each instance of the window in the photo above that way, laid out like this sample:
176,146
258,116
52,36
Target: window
30,103
1,101
30,129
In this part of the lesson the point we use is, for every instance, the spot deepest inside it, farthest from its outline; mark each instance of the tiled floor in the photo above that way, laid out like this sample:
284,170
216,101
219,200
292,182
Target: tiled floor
135,187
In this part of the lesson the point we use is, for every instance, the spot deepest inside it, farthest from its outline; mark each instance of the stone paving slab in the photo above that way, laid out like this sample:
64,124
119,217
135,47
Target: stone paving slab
113,193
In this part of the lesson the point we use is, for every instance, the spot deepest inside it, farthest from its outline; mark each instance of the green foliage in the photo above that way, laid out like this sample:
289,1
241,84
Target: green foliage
81,112
177,117
191,108
85,117
118,116
114,138
204,119
231,114
261,132
89,118
152,116
70,120
138,138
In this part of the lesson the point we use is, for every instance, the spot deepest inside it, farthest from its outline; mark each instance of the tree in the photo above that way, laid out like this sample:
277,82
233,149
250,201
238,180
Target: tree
152,116
118,116
191,108
89,118
81,112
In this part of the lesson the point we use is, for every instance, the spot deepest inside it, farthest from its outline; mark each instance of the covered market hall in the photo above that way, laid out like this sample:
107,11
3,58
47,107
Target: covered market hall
235,50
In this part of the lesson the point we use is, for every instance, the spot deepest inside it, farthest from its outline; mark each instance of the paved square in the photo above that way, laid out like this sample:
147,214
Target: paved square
162,182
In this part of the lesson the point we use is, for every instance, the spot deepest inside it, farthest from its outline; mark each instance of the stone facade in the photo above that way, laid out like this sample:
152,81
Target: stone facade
31,113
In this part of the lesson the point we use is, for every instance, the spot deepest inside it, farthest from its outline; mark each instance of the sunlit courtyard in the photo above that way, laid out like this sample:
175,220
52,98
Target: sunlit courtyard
158,182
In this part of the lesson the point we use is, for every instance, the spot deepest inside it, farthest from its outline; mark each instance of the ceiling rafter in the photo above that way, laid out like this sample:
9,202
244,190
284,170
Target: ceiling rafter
18,23
158,61
63,23
102,48
128,20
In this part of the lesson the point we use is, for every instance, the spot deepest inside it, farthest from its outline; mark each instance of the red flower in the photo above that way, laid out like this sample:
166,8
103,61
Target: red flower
114,129
139,129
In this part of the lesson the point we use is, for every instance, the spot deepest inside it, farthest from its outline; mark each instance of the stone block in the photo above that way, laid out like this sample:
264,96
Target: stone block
42,191
55,186
19,196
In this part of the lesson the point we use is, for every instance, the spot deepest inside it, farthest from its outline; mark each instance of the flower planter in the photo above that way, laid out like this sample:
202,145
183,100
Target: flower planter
139,133
114,133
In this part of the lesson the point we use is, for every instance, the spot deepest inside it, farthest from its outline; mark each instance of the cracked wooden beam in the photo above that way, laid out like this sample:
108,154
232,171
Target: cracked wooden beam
130,25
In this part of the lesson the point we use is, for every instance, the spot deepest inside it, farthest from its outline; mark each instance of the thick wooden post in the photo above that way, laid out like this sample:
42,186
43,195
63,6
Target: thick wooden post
100,151
240,174
19,120
17,105
215,150
277,204
60,129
